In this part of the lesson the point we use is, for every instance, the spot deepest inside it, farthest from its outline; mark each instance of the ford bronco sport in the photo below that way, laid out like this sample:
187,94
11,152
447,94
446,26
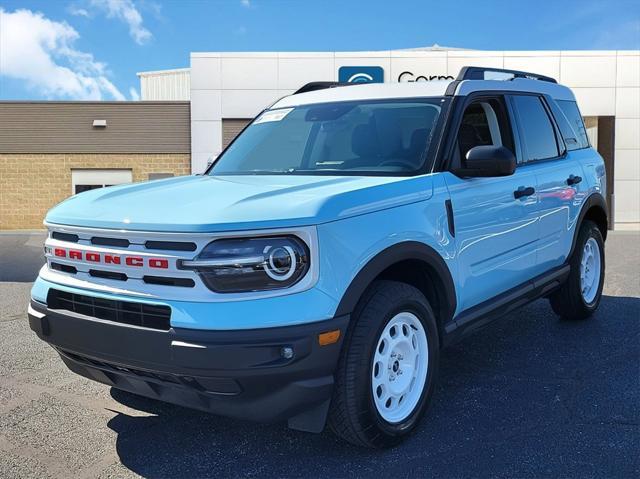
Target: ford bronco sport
314,273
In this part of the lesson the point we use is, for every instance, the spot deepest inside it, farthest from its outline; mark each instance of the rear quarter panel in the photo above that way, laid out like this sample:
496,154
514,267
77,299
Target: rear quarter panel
594,171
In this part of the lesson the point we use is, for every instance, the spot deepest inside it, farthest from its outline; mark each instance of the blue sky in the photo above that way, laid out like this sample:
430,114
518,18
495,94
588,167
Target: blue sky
92,49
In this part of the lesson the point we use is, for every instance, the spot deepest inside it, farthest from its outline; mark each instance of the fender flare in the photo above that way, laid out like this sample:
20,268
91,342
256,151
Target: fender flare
593,200
407,250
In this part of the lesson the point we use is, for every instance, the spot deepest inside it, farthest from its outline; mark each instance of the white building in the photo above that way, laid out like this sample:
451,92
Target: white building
228,89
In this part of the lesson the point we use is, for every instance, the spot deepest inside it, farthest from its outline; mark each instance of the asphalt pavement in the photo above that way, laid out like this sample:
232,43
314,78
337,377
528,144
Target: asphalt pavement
529,396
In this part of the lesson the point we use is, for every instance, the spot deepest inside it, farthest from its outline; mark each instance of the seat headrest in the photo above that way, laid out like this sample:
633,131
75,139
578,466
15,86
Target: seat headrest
389,134
418,140
364,141
417,145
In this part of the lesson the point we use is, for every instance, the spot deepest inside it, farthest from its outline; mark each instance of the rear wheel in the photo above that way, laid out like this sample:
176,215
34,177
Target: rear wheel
386,373
580,296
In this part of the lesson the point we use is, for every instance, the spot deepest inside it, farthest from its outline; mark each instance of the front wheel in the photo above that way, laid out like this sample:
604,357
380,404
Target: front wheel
387,371
580,295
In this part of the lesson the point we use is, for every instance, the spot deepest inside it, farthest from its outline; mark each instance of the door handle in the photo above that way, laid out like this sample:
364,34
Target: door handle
573,180
522,191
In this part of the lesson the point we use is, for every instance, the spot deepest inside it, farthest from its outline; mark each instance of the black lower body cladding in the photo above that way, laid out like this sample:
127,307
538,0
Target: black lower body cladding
264,375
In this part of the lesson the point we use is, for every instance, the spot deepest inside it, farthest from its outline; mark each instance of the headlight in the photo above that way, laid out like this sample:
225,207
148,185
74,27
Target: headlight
251,264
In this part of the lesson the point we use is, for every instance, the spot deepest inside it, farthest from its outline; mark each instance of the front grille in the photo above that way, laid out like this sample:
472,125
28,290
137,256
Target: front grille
119,242
124,312
64,268
96,273
166,281
116,276
99,256
65,236
171,245
125,243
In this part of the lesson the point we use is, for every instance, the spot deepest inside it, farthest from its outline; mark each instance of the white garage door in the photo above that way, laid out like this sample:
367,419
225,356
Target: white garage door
90,179
231,128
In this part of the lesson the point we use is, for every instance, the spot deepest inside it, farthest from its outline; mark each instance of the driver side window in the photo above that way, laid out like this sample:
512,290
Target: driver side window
484,122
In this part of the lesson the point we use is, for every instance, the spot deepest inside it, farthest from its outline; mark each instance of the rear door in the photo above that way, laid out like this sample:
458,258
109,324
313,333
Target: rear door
496,228
559,174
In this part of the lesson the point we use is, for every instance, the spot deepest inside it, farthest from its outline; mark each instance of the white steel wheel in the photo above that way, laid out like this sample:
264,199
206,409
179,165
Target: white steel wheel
590,266
580,294
399,369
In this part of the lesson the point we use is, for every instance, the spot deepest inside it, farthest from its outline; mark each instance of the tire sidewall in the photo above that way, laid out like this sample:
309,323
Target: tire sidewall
590,231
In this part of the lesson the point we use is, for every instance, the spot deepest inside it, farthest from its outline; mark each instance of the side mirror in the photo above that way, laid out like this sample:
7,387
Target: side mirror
487,161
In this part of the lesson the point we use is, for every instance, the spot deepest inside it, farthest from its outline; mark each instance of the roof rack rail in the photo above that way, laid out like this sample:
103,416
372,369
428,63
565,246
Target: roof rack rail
320,85
477,73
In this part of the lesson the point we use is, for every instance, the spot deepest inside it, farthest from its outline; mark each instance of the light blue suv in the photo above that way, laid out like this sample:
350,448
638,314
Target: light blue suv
314,273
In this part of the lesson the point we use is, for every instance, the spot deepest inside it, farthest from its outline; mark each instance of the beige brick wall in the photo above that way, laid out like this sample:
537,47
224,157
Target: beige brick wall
31,184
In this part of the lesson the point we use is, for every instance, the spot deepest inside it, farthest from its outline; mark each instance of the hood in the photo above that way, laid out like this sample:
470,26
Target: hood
226,203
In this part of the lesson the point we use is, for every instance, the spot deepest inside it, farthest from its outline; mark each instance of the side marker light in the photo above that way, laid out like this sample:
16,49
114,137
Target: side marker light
330,337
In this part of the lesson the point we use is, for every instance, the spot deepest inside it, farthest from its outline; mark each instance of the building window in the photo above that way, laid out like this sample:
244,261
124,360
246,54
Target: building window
85,180
160,176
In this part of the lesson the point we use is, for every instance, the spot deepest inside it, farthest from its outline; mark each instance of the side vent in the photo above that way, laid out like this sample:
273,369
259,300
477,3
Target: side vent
450,219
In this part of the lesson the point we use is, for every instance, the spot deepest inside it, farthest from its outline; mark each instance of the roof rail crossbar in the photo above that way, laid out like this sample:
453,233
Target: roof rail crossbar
320,85
477,73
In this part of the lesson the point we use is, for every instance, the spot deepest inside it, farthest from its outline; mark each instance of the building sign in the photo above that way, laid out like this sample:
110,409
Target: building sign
411,77
363,74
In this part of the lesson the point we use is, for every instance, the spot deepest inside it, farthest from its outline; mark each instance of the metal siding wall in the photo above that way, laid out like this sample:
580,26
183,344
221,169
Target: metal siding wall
67,127
165,86
231,129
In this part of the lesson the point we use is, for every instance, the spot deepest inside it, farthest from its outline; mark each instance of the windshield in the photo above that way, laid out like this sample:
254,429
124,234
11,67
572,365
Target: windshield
390,137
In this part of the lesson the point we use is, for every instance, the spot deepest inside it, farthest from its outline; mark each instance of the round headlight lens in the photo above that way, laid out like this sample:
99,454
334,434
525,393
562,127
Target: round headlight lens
251,264
281,262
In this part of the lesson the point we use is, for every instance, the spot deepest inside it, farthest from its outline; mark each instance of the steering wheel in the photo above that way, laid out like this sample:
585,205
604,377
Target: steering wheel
396,162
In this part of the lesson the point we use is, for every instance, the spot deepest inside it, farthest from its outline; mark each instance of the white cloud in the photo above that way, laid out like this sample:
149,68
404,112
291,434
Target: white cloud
245,3
78,12
41,52
127,12
133,93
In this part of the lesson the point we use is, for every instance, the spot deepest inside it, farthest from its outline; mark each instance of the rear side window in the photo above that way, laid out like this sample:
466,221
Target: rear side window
535,128
576,138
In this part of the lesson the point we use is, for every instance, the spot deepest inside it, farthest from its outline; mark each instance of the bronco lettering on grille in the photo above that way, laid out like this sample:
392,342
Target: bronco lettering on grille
94,257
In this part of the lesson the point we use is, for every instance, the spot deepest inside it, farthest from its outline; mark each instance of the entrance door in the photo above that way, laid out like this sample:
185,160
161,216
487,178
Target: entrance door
606,148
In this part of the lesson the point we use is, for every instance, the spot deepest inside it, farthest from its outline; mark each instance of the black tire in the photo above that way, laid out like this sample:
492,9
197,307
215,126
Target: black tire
568,301
353,415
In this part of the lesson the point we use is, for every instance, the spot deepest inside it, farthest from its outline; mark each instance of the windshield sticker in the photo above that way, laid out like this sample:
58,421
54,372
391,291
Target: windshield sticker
273,115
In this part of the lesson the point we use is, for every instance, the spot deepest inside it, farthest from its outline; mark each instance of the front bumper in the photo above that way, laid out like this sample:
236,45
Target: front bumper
240,373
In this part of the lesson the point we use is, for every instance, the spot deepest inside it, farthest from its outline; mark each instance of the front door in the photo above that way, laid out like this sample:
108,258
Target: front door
495,218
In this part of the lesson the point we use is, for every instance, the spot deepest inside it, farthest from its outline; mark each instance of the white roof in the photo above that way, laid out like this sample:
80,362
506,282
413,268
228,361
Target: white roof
367,91
435,88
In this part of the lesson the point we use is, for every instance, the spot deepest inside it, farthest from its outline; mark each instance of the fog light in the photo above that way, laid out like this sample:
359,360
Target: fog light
286,352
